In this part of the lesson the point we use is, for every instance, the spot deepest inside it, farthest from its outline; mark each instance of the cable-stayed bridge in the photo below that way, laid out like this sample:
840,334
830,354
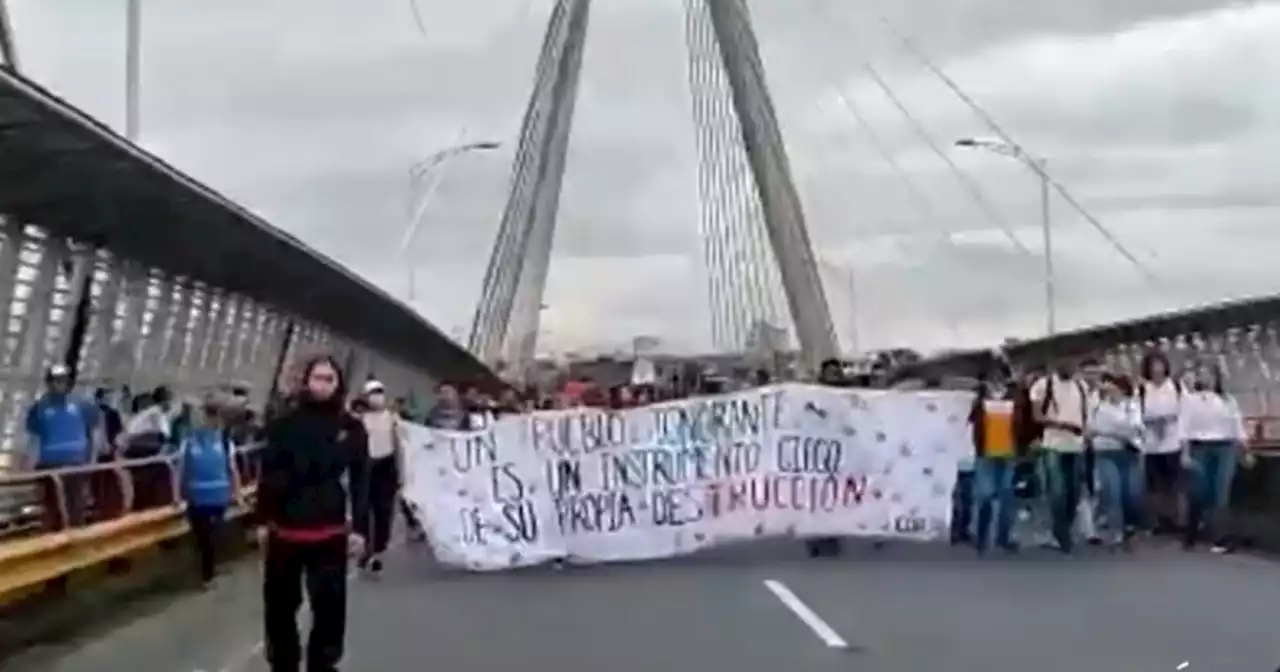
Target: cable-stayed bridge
93,270
762,272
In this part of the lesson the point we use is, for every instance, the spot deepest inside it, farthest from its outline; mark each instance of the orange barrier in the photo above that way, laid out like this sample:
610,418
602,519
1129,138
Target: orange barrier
85,516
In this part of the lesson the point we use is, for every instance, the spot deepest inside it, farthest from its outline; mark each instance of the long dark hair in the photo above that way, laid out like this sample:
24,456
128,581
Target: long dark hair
1148,363
303,394
1215,372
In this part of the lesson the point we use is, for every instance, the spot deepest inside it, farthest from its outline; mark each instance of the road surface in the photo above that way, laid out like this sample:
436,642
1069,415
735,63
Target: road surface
904,608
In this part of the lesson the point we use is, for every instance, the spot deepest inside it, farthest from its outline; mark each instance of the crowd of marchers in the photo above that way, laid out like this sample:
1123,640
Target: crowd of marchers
1068,454
1078,452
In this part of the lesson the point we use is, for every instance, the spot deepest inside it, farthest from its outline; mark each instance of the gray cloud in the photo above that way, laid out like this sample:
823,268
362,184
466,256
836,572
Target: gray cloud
1149,110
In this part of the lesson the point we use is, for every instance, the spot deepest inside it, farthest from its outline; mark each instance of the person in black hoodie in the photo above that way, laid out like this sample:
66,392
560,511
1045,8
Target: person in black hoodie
312,446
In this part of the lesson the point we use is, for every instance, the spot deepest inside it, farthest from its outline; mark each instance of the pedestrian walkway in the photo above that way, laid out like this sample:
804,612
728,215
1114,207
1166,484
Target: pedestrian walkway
903,608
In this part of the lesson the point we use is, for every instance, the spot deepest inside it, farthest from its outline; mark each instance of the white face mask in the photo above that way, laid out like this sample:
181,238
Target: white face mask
378,400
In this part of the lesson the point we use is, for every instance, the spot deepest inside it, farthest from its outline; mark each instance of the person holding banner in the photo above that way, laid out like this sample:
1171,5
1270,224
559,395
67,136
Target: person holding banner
448,411
312,447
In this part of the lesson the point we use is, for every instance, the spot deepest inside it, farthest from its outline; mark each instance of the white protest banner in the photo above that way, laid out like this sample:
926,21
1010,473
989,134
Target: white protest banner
594,485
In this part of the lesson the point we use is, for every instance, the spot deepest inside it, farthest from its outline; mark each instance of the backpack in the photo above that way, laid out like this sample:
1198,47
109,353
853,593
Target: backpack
1034,431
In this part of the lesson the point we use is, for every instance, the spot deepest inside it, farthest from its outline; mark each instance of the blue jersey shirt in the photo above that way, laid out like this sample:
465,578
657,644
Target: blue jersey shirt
61,426
206,469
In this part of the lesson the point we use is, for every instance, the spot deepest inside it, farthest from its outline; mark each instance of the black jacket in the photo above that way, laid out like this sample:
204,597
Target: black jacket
309,451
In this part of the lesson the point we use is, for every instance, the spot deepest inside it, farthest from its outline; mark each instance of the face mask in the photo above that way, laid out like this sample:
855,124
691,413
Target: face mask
377,400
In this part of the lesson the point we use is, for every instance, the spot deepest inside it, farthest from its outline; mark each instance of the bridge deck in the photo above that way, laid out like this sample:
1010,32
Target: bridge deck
901,609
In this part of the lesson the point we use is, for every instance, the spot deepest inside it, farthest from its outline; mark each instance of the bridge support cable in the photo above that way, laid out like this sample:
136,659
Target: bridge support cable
771,170
506,318
505,259
526,310
743,281
910,46
759,291
524,236
919,200
709,222
975,191
915,193
505,251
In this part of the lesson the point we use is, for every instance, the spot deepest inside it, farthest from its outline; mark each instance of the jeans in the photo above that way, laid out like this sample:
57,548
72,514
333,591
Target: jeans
1208,482
962,508
1063,474
1120,475
993,497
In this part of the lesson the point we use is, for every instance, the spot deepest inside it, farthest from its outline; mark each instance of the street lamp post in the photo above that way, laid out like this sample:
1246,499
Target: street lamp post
132,69
1037,166
425,177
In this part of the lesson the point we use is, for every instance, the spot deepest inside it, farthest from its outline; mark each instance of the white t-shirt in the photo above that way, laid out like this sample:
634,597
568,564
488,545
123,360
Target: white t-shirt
1161,406
1208,416
1069,403
381,426
1115,425
151,420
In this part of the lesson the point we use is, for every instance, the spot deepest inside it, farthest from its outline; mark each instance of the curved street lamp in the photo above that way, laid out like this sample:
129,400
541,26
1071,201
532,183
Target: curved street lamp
1037,166
425,178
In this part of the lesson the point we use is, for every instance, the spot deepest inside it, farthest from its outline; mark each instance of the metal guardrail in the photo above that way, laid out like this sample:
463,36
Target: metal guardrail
51,501
127,506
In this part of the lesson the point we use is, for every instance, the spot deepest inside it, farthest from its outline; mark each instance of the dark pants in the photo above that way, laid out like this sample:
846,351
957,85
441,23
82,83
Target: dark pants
1063,474
322,567
384,482
962,508
1164,483
206,523
152,483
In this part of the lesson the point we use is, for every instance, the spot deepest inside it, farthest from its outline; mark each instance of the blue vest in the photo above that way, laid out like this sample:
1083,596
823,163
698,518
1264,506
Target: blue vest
206,472
62,427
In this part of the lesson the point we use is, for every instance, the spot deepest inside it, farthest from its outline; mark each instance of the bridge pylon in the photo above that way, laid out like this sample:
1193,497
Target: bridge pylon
755,240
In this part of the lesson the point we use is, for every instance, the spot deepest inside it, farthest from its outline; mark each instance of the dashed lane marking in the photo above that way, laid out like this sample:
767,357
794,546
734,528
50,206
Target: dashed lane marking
808,616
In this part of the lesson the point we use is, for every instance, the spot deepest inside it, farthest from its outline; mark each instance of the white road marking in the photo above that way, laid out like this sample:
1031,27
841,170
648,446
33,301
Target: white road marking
806,615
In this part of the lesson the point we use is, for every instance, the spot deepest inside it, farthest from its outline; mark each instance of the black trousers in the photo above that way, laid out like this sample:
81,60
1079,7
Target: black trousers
384,482
322,567
206,523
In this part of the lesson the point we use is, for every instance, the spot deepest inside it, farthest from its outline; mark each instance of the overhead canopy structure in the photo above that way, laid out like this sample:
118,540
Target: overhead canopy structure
73,176
1213,318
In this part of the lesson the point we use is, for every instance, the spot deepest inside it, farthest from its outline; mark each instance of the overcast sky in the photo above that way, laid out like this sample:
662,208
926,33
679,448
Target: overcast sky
1160,116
